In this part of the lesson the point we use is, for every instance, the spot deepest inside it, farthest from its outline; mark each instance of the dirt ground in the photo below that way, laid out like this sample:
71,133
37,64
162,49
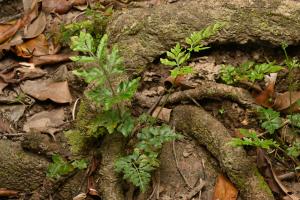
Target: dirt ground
184,163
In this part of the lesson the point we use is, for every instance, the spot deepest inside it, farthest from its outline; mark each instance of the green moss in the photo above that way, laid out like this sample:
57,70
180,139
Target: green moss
77,140
262,184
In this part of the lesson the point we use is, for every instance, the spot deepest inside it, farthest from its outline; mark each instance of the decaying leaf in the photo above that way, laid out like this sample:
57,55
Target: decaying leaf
287,100
47,89
224,189
53,6
10,31
80,196
19,74
4,192
45,121
163,114
35,47
287,191
267,94
14,112
2,86
266,171
36,27
51,59
5,126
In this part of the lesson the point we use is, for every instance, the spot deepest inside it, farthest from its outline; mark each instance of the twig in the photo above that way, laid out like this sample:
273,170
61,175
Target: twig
288,175
177,166
74,108
152,194
12,134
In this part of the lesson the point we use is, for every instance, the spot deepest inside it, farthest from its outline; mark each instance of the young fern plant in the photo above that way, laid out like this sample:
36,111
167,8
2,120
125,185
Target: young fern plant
115,116
177,57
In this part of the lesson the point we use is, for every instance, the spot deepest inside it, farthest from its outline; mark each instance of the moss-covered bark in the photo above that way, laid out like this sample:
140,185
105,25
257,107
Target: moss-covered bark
213,135
143,34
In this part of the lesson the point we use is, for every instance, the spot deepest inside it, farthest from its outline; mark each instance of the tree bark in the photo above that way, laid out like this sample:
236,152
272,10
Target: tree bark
210,133
143,34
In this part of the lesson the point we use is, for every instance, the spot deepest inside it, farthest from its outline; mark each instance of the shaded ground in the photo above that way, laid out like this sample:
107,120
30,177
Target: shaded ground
25,121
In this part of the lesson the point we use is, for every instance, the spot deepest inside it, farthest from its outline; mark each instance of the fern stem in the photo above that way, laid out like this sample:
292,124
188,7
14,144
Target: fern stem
106,74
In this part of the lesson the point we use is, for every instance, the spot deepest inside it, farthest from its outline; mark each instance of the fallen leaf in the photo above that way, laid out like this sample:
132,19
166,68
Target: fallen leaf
62,7
285,100
80,196
17,75
266,171
5,126
13,112
51,59
264,97
224,189
11,31
2,86
161,113
46,89
4,192
35,47
287,191
36,27
45,121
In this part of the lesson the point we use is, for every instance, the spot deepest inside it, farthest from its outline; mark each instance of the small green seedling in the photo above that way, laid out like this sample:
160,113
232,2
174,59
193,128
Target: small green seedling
251,139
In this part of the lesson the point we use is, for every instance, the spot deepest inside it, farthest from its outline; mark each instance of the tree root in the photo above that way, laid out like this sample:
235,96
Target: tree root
209,132
207,89
110,183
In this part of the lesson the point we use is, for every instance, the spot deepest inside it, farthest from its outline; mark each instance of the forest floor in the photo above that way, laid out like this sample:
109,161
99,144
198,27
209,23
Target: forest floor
40,98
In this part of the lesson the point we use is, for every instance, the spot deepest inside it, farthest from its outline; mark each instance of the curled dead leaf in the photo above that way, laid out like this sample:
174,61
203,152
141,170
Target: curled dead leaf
268,93
35,47
287,100
2,85
62,7
224,189
36,27
10,32
51,59
4,192
46,89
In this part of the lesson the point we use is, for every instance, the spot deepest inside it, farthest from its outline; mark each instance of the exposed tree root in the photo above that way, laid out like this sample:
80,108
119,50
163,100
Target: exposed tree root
210,90
110,183
209,132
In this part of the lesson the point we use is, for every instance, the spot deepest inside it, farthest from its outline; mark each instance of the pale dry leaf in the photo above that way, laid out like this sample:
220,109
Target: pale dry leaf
36,27
286,100
46,89
45,121
80,196
161,113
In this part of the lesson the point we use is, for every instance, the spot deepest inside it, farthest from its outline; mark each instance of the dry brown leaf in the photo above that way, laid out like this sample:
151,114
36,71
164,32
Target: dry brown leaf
36,27
45,121
62,7
45,89
10,32
80,196
161,113
2,85
4,192
286,190
51,59
35,47
17,75
286,100
224,189
268,93
5,126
